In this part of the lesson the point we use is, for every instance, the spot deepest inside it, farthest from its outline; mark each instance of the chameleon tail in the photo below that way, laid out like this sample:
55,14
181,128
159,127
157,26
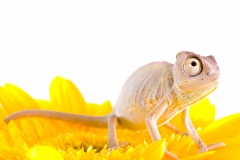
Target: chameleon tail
93,121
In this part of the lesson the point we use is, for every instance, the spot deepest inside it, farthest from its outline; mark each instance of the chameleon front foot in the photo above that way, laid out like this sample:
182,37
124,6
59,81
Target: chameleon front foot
216,145
205,148
113,147
123,144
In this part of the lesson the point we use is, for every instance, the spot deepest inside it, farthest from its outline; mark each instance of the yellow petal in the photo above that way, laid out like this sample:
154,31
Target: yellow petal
222,128
155,150
202,113
201,156
15,134
3,114
14,99
98,110
43,104
65,96
44,153
230,151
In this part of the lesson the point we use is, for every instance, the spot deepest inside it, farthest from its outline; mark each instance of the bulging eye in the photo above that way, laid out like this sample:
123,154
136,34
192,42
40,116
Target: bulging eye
192,66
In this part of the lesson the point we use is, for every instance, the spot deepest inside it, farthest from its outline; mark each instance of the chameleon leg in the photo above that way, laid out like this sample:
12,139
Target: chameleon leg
194,134
174,128
151,123
112,132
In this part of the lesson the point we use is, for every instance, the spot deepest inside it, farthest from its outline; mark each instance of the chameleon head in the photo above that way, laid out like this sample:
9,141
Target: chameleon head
193,72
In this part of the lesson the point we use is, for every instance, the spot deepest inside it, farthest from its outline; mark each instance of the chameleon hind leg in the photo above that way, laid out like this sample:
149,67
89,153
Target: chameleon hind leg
112,132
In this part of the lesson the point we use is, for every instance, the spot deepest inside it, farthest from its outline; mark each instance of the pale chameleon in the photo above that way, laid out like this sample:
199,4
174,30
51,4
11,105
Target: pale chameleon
151,96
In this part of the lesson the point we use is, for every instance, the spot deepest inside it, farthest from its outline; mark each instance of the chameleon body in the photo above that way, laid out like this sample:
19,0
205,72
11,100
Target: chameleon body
151,96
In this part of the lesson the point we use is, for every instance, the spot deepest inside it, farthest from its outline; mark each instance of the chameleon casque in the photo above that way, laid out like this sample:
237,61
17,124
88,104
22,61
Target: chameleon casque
150,97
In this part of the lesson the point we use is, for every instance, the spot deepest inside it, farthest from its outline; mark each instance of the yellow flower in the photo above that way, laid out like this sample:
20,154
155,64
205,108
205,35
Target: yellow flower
35,138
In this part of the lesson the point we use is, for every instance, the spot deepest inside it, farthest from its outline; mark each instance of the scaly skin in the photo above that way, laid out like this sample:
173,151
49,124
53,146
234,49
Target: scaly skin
151,96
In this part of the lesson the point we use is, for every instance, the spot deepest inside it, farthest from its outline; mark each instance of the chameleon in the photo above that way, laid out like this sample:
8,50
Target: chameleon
151,97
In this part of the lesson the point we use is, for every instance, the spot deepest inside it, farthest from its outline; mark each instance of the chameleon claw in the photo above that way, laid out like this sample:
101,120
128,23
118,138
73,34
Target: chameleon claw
123,144
205,148
171,155
113,148
216,145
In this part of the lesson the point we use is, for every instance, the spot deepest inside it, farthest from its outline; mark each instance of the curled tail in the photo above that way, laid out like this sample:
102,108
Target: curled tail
93,121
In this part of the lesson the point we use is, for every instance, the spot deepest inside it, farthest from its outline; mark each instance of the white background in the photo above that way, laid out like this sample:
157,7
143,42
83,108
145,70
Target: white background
98,44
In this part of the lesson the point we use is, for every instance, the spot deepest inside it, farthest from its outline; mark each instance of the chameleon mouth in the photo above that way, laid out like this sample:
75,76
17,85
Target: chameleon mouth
214,79
200,83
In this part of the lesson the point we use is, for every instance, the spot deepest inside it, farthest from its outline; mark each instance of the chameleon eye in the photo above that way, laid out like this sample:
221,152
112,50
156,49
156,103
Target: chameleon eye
192,66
